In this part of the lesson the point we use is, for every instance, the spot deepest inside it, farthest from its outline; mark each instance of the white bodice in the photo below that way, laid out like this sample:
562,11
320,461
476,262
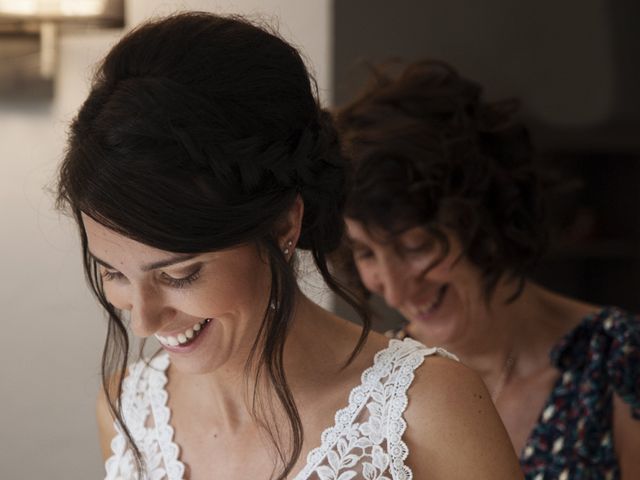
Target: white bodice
365,441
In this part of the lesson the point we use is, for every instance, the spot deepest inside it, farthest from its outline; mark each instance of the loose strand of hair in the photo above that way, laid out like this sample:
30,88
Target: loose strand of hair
115,352
270,343
358,304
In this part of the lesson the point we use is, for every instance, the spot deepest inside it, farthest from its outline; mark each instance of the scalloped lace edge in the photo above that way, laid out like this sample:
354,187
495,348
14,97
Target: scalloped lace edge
156,367
353,409
316,455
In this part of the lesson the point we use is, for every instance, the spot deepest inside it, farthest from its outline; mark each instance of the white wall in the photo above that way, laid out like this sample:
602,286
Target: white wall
53,332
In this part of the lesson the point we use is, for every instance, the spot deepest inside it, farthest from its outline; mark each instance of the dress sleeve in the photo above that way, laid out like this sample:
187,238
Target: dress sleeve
623,364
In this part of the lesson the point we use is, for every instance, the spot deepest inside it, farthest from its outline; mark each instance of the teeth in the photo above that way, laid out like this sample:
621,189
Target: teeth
425,308
184,337
428,307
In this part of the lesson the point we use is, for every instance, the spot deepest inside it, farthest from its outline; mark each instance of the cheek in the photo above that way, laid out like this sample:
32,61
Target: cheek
366,274
443,273
117,295
450,269
465,280
212,298
244,288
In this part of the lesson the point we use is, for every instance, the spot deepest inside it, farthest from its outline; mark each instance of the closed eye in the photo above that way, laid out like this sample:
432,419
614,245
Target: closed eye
426,246
109,275
362,254
183,281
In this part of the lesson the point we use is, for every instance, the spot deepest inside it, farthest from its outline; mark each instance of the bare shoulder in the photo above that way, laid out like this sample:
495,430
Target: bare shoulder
442,381
453,430
105,419
626,434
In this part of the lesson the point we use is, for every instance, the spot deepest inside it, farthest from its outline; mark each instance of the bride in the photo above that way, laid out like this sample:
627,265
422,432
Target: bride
198,164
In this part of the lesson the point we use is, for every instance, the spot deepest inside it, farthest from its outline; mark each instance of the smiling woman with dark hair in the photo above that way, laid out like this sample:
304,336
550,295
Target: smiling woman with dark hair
445,222
196,167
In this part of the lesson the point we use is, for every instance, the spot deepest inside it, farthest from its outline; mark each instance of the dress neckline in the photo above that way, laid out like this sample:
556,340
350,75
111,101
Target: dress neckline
566,354
570,348
344,417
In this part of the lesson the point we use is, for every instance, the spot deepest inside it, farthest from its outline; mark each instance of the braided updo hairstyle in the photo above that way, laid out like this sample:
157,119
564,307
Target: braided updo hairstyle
428,150
198,134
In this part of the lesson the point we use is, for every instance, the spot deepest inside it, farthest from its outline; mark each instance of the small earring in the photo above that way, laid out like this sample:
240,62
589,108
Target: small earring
286,250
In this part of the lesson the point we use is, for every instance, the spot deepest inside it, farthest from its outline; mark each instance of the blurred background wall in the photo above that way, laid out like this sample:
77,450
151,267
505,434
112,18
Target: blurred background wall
53,332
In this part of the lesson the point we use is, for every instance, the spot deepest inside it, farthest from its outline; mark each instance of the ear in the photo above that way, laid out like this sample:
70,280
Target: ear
288,229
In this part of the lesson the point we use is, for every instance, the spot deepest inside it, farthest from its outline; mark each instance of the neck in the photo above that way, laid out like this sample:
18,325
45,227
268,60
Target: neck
521,331
313,355
515,337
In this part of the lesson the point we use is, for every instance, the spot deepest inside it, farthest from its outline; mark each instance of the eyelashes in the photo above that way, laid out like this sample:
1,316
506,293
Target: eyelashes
362,254
182,282
108,276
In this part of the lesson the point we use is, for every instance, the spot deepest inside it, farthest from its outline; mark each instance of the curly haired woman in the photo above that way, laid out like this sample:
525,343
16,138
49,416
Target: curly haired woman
446,223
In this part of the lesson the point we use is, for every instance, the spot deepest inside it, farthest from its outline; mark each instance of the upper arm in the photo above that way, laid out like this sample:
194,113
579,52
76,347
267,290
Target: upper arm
626,439
453,429
106,429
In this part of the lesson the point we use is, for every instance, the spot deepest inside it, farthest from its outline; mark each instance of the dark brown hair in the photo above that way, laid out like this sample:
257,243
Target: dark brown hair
427,150
198,134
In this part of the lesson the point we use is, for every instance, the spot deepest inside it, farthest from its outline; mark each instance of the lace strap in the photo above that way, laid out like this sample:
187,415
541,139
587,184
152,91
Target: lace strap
121,455
161,416
146,414
382,394
410,356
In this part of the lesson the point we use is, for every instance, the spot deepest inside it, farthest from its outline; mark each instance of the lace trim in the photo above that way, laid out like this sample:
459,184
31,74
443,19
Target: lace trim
396,423
145,398
386,408
383,391
164,432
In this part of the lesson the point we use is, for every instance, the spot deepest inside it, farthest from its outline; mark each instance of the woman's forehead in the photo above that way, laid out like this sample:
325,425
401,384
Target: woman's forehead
357,230
107,244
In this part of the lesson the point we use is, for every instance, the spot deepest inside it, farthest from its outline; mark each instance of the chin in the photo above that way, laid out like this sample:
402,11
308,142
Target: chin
442,328
194,366
207,353
433,335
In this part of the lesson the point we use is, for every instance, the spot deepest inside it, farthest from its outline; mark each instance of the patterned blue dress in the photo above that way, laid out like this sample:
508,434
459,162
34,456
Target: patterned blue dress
572,439
573,436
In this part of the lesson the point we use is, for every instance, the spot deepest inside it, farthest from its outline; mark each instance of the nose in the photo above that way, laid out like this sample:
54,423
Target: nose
392,281
148,309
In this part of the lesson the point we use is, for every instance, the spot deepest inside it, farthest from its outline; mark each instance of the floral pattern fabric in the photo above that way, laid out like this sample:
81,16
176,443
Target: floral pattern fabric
364,443
573,437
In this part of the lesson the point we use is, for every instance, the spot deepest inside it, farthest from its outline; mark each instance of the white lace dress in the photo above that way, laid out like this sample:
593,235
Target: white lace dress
365,441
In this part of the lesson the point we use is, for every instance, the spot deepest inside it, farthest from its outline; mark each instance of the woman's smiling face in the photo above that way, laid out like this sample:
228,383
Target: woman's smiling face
441,298
205,309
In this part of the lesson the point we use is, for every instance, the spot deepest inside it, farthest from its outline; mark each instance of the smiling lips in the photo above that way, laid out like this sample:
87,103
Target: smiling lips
427,309
185,337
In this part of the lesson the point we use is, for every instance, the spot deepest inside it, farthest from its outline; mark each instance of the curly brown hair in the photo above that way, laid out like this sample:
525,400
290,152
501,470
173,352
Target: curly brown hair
427,150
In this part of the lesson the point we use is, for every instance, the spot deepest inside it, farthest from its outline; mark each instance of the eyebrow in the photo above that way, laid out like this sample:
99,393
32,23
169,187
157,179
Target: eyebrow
154,265
353,243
